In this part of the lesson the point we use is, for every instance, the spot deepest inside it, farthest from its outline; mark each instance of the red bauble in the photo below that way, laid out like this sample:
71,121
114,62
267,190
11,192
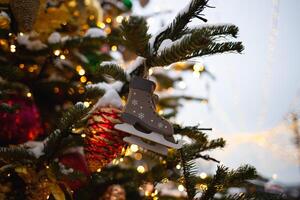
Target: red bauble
77,162
21,125
103,142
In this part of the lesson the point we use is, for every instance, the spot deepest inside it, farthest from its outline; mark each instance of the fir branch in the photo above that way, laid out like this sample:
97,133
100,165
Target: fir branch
225,178
113,70
217,30
136,38
178,26
72,116
215,48
16,154
93,93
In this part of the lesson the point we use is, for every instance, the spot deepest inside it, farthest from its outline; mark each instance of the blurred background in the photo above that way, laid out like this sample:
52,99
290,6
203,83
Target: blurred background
254,98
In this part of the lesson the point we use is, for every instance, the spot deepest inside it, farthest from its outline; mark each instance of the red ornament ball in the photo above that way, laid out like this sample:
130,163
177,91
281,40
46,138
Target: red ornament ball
103,142
77,162
22,123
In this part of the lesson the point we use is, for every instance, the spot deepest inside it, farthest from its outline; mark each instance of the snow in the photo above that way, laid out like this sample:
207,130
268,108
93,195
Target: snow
153,38
111,96
24,39
95,33
167,43
78,149
54,38
137,62
36,148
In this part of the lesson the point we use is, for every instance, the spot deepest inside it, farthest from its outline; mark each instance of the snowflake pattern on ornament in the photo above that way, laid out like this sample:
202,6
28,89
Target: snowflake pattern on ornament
141,115
134,102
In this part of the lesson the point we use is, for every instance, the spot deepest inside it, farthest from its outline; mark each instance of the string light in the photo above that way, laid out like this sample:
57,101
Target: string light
21,66
108,20
13,48
56,90
134,148
28,94
99,170
62,57
150,72
119,19
140,169
180,188
114,48
138,156
86,104
91,17
101,25
107,30
56,52
198,67
182,85
83,135
178,166
83,79
81,72
274,176
203,175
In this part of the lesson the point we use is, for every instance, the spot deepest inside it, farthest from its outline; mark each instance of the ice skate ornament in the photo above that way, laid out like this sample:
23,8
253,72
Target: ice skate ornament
148,129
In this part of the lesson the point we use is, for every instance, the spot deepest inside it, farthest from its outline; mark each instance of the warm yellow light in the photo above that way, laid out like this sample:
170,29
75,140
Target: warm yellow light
28,94
81,72
119,19
56,52
91,17
107,30
83,79
160,112
56,90
140,169
83,135
21,34
62,57
21,66
114,48
180,188
99,170
108,20
147,193
138,156
81,90
134,148
72,4
203,175
86,104
12,48
178,166
100,24
274,176
198,67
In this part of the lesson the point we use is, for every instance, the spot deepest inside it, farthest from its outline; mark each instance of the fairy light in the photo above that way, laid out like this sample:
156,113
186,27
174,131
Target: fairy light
107,30
99,170
21,34
114,48
83,135
160,112
63,57
140,169
21,66
56,90
178,166
134,148
274,176
28,94
108,20
198,67
180,188
203,175
138,156
91,17
83,79
101,25
119,19
56,52
196,74
81,72
13,48
86,104
182,85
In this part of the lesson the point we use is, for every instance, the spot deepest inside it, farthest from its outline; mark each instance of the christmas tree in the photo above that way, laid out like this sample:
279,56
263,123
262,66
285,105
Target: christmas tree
67,68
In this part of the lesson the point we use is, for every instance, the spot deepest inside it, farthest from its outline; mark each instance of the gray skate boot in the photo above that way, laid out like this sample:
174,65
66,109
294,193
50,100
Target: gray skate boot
142,121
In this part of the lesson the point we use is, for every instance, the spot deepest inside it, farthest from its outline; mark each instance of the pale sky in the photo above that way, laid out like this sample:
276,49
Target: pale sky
254,92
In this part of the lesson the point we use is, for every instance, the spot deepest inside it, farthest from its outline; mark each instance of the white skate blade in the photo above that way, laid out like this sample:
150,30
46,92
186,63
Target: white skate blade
154,137
157,148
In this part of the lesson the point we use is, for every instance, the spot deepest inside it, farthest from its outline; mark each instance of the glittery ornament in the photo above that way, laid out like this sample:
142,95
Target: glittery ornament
20,125
103,142
25,13
114,192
